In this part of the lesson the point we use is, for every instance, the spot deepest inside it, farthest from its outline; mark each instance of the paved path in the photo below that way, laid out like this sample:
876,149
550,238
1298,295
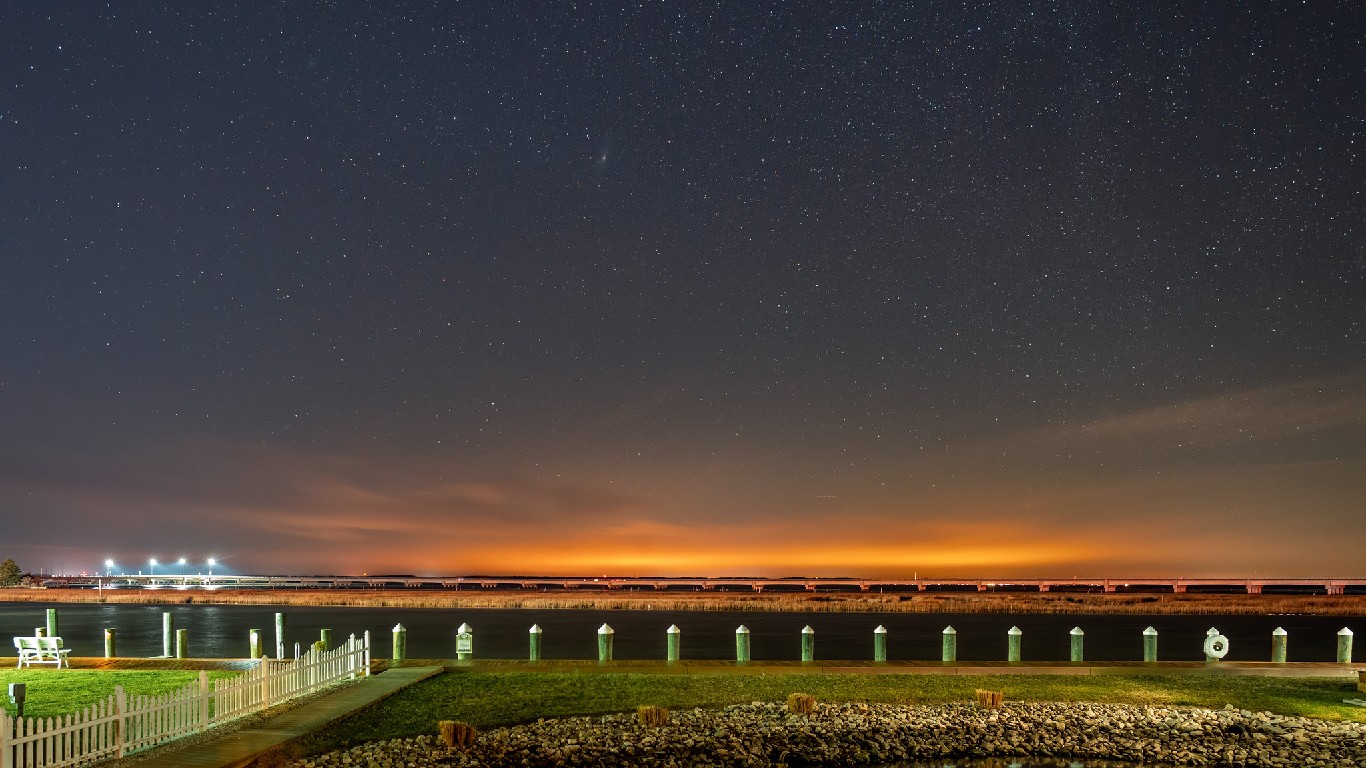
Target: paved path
239,747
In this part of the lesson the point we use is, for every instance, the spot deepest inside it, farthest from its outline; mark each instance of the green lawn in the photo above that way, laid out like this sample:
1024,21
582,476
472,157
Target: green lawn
494,699
53,692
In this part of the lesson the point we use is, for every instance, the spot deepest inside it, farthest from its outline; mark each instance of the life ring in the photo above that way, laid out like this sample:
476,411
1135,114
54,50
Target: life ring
1216,646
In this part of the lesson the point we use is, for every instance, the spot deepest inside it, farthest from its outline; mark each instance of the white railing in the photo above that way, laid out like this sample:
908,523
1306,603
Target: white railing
121,725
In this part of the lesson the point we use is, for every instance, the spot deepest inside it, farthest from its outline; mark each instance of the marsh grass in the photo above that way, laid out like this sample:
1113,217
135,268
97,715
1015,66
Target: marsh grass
488,700
972,602
53,692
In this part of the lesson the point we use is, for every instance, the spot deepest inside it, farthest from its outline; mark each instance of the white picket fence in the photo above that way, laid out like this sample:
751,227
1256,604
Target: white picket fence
121,725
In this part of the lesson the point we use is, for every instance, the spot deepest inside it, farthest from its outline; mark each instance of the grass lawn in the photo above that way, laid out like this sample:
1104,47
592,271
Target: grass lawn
53,692
493,699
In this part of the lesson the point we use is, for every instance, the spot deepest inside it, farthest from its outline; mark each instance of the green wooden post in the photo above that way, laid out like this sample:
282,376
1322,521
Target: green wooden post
1077,637
880,643
1013,637
254,641
279,635
464,642
1279,638
808,644
605,637
109,650
950,654
1344,646
673,642
325,637
742,644
52,623
182,643
167,635
1150,645
400,642
534,638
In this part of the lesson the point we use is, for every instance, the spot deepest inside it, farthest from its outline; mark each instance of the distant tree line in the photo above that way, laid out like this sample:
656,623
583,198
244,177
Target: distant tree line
10,575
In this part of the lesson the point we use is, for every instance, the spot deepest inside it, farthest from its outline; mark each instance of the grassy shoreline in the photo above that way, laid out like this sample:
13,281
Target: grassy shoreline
1050,603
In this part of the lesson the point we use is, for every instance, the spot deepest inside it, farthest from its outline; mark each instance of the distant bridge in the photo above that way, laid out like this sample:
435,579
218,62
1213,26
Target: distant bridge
1322,586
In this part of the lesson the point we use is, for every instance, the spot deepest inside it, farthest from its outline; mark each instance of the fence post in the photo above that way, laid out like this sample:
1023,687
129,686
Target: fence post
1150,644
109,643
742,644
279,635
203,699
167,635
1013,637
605,638
365,655
1344,646
464,642
673,642
120,726
6,728
400,642
534,643
1279,638
52,623
182,643
950,651
1077,638
325,635
880,643
808,644
265,683
254,642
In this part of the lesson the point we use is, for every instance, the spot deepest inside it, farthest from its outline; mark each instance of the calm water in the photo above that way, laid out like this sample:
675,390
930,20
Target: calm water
221,632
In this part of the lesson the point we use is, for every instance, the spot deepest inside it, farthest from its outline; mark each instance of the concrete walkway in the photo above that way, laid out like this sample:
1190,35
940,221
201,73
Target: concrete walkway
239,747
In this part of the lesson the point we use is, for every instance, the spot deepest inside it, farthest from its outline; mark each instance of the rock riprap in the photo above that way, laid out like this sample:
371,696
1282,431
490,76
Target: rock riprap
765,734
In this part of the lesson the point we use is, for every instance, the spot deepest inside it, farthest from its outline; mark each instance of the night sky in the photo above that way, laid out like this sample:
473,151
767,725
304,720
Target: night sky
871,289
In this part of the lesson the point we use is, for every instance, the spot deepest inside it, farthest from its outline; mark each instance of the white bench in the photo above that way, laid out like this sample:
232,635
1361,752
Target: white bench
41,650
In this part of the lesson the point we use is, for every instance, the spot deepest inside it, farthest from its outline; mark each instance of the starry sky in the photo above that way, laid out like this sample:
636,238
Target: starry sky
739,288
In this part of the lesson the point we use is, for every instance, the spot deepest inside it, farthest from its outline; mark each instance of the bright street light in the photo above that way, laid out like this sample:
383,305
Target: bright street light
152,566
108,566
211,564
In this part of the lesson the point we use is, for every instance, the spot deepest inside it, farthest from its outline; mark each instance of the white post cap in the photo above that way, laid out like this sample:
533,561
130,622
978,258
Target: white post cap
1279,632
535,629
465,628
807,630
1076,631
673,629
949,630
742,630
606,630
1345,631
1014,631
399,628
881,630
1150,631
1211,632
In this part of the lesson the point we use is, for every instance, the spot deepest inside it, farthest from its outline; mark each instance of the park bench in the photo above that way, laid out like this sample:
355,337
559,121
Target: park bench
41,650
